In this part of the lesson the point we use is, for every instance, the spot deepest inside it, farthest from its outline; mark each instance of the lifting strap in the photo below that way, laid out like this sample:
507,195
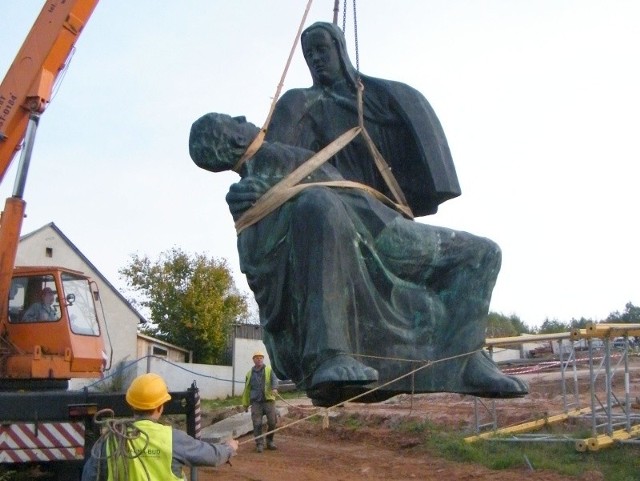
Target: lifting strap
381,164
257,142
279,193
290,186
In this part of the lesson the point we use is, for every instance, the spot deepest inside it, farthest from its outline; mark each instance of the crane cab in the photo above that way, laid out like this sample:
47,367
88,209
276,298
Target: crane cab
51,330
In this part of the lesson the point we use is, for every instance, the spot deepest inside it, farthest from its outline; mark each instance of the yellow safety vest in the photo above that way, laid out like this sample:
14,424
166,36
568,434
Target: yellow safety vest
268,392
156,457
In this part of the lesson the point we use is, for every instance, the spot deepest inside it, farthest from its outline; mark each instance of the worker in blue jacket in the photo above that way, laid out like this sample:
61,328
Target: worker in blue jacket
160,452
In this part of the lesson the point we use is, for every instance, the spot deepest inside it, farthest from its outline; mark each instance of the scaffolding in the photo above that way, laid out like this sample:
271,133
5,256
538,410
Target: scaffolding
610,415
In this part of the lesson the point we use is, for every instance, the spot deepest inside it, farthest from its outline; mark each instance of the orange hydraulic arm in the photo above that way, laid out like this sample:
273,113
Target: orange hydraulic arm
24,94
29,82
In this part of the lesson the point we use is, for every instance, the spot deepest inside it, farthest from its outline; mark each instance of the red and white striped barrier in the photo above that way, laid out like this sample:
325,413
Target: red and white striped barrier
30,442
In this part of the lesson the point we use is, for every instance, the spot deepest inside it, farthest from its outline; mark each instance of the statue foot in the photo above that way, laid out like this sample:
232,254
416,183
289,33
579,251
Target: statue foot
482,378
343,370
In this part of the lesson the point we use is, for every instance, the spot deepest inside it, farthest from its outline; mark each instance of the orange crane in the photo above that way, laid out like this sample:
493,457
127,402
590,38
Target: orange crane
62,340
49,330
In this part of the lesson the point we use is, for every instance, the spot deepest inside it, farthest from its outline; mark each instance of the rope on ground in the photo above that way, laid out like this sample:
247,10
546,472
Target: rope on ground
325,411
114,445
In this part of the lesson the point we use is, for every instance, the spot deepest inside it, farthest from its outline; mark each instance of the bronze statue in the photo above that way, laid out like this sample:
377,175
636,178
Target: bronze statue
351,293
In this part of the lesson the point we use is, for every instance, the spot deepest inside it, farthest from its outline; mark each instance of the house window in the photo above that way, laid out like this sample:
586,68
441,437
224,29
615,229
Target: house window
158,351
48,251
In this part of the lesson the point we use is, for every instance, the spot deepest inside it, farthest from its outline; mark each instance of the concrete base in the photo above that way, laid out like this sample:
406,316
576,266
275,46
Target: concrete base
233,427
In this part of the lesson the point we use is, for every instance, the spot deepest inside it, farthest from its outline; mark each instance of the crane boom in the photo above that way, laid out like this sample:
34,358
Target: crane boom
29,83
40,350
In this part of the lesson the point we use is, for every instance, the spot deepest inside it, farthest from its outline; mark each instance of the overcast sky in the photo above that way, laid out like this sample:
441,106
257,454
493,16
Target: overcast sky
539,100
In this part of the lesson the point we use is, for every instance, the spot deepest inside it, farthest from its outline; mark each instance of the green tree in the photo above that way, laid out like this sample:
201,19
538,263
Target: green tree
552,326
499,325
631,314
519,325
191,300
580,323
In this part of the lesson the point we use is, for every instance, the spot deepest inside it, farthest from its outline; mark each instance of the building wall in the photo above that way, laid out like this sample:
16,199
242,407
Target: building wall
150,347
501,355
214,382
242,360
121,321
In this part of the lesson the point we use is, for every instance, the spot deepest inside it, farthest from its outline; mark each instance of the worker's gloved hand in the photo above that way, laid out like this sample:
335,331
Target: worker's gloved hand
244,194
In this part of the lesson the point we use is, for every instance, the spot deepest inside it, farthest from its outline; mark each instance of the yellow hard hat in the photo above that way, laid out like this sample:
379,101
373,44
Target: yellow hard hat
147,392
257,353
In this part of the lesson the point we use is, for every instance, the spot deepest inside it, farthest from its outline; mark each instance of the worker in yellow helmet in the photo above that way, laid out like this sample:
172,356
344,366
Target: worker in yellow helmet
260,389
162,451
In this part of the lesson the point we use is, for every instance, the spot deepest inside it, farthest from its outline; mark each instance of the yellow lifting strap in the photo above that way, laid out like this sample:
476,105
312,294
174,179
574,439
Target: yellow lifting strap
289,186
283,190
381,164
257,142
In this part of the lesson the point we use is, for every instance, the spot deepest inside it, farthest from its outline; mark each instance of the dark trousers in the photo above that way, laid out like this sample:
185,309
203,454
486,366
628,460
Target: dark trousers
258,410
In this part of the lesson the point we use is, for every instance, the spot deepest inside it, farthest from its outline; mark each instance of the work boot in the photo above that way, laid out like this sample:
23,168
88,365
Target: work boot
271,445
259,448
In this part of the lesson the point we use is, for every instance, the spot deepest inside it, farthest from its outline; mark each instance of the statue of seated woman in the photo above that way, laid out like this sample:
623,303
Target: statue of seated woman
351,293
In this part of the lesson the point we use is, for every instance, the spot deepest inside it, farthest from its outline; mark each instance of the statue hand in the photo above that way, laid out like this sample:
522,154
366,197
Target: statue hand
244,194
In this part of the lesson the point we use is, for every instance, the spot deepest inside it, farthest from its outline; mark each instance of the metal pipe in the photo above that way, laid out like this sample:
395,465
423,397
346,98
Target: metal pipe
576,387
562,376
607,426
608,387
149,355
25,156
592,390
627,396
233,361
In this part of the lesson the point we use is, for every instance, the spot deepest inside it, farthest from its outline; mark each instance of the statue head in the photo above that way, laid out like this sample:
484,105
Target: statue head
325,51
217,141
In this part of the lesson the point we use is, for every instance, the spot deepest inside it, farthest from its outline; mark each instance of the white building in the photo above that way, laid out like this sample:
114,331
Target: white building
48,246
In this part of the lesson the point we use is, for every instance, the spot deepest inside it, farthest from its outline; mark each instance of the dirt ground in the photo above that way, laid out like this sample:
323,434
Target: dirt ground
375,451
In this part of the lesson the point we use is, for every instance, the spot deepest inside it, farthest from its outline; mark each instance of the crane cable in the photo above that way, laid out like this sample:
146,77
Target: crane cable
355,31
399,200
